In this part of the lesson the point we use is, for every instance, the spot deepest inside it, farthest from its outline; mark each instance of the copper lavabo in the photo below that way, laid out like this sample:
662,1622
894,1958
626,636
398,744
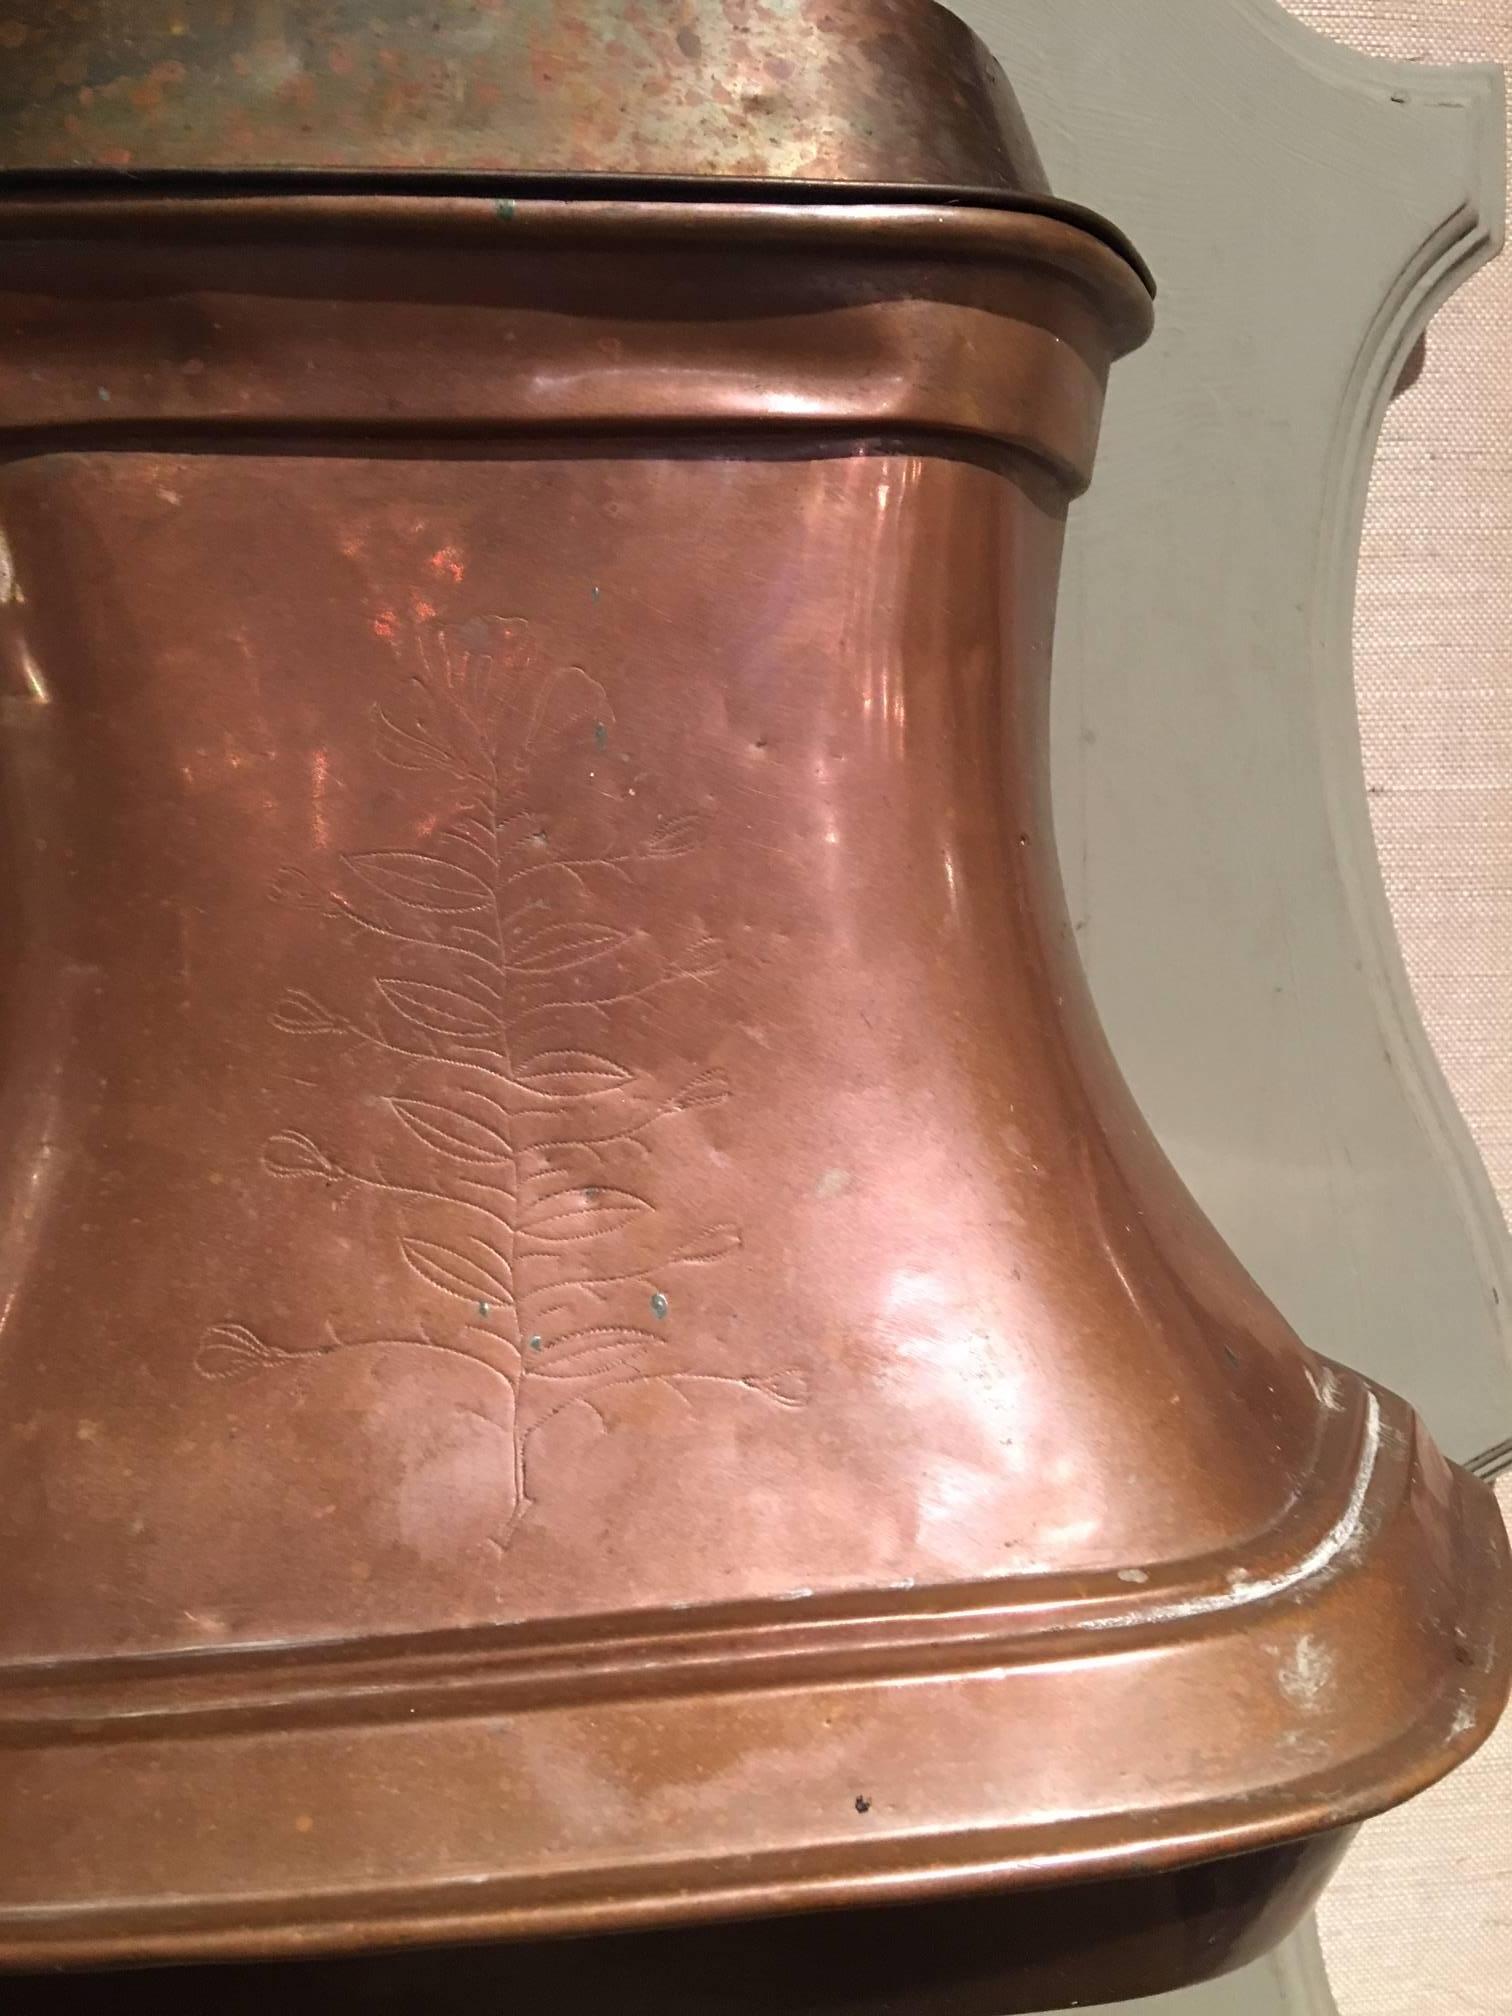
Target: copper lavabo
591,1338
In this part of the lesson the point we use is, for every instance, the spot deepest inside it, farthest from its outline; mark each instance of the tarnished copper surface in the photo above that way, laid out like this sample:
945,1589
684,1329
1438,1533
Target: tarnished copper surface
591,1339
880,91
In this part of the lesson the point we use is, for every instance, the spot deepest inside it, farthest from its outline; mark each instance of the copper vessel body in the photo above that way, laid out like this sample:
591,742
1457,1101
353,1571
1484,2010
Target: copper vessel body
592,1340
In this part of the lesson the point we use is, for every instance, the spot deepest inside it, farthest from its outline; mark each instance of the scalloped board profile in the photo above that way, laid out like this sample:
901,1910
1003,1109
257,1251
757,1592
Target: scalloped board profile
1305,209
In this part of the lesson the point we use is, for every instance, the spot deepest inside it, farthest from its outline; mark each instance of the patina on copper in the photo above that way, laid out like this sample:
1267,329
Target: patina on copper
828,97
879,91
592,1340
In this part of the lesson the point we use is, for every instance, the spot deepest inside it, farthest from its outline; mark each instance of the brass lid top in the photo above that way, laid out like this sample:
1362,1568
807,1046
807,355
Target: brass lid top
833,96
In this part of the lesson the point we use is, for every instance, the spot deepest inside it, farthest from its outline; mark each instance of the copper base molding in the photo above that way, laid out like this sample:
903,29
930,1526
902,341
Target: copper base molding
591,1340
1004,1953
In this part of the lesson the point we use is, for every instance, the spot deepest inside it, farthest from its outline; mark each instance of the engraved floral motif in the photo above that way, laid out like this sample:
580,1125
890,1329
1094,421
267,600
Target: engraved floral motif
523,1194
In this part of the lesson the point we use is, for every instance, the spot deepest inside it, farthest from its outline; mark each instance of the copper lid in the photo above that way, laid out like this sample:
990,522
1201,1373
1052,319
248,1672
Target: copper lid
819,95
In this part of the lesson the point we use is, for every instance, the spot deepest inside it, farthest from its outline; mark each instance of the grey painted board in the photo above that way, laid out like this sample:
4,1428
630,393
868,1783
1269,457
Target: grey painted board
1304,208
1291,1983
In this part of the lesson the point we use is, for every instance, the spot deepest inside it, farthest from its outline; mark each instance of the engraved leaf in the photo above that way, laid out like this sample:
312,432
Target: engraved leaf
441,1011
494,671
586,1211
674,836
711,1244
300,1014
473,659
408,748
564,1306
572,1074
711,1088
522,829
230,1353
470,837
475,821
471,1269
704,957
789,1388
423,881
296,1155
588,1354
474,1133
293,888
544,704
556,947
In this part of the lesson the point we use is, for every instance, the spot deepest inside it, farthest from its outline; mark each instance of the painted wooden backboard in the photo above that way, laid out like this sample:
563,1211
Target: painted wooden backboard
1305,209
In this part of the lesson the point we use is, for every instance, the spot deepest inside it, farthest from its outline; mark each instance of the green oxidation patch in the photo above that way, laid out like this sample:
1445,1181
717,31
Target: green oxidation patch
659,1306
600,735
536,1343
506,208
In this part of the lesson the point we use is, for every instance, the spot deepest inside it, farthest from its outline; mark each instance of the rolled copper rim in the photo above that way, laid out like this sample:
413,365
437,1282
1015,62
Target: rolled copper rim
912,365
792,101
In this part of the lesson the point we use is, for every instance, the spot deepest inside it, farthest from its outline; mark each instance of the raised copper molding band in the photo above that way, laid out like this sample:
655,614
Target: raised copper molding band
762,1900
995,324
713,1647
862,222
982,1954
428,185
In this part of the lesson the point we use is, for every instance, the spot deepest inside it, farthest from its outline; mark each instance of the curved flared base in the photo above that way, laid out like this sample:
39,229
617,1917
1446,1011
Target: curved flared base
1011,1740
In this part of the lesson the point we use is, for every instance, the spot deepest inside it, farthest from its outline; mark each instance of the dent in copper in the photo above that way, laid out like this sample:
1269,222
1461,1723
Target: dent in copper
592,1339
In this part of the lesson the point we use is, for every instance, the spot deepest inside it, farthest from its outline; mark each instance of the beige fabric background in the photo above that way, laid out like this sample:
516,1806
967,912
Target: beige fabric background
1419,1922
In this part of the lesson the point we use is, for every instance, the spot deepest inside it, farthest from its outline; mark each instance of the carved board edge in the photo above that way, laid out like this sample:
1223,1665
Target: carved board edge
1466,239
1476,88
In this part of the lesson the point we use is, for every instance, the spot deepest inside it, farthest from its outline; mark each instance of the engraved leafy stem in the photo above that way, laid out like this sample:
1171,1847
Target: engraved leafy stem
525,1211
